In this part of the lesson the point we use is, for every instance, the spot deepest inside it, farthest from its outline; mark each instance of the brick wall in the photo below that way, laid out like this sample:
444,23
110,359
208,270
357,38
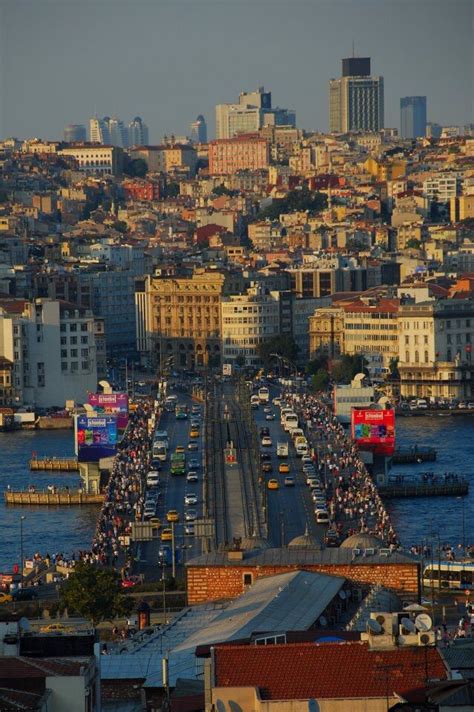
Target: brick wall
218,582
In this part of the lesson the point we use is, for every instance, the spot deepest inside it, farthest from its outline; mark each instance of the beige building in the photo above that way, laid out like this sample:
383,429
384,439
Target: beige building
435,349
461,207
371,329
326,332
180,317
96,159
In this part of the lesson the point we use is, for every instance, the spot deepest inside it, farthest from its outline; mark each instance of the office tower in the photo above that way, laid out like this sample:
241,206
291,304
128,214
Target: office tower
356,101
75,133
117,133
99,130
199,130
137,132
433,130
413,116
253,111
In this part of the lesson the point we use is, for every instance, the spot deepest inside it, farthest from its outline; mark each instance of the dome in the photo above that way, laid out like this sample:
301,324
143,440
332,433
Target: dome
253,542
362,541
305,541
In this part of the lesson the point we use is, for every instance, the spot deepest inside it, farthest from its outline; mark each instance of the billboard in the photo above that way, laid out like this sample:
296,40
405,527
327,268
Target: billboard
96,437
111,404
374,430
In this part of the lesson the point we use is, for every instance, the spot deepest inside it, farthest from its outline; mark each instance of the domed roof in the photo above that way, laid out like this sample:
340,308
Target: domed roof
253,542
305,541
362,541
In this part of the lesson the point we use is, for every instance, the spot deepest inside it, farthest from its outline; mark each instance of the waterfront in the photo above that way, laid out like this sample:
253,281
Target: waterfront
45,529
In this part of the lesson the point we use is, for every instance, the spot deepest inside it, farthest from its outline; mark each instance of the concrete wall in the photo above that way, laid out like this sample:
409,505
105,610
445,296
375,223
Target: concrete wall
68,693
247,699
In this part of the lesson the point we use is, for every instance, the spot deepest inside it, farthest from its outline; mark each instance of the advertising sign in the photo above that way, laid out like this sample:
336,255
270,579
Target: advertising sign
374,430
96,437
111,404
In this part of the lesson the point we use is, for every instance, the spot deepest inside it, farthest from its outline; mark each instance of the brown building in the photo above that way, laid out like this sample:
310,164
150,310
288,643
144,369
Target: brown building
221,575
6,382
246,152
179,317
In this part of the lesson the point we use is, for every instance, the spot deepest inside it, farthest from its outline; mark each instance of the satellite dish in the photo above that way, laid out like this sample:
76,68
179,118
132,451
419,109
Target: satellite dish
342,594
374,626
24,624
104,384
423,622
323,622
414,607
408,624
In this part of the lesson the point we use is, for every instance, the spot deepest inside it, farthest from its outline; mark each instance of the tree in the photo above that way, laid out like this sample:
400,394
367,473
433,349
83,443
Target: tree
297,200
344,370
170,190
93,592
134,167
223,190
414,244
320,380
318,363
120,226
393,367
240,360
284,346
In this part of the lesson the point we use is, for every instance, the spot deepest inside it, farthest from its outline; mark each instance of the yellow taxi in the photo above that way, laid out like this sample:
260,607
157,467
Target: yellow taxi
273,485
166,535
56,628
179,448
155,522
172,516
5,597
194,433
284,468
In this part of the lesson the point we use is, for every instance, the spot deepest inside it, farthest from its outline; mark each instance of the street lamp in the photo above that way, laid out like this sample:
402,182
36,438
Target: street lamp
463,529
21,548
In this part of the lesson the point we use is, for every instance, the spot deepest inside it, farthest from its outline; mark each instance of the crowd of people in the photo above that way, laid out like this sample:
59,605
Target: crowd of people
353,497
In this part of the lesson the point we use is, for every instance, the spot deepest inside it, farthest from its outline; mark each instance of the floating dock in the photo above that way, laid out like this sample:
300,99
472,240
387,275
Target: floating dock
63,464
405,456
413,488
62,497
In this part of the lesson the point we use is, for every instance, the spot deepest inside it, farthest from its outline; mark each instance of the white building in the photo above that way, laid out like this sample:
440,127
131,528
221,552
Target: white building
96,159
248,320
442,187
52,347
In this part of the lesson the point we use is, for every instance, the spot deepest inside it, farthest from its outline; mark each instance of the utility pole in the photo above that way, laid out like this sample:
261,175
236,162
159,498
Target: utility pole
173,551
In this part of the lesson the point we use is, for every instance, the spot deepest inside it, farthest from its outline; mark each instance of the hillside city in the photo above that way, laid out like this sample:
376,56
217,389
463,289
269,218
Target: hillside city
232,325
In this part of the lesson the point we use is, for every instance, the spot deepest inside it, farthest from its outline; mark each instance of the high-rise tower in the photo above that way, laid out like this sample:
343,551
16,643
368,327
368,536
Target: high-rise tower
413,116
137,132
199,130
356,100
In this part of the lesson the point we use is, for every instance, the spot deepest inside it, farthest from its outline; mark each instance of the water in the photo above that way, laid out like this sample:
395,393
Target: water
424,518
45,529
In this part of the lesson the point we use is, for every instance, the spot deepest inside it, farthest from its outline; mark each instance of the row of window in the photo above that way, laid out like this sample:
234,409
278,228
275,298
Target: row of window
73,353
374,327
73,366
73,326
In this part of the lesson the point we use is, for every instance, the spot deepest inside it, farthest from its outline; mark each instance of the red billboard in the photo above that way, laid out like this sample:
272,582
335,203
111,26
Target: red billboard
374,430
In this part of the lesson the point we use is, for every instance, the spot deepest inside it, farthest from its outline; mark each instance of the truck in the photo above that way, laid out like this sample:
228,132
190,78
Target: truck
282,449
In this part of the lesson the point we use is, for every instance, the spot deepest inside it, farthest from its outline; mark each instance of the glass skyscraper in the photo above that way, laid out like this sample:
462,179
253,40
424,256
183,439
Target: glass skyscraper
413,116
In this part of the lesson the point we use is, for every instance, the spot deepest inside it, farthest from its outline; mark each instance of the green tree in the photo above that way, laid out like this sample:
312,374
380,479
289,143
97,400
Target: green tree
318,363
120,226
414,244
344,370
134,167
94,593
170,190
297,200
284,346
223,190
320,380
393,367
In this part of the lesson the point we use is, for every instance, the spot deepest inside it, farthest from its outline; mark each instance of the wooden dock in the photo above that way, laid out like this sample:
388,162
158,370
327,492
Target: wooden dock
49,499
60,464
394,490
405,456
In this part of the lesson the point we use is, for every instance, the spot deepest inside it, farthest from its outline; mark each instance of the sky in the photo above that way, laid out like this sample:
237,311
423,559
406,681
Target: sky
62,61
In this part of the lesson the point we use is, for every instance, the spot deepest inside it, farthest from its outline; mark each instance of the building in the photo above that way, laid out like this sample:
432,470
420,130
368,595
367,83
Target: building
102,160
180,317
326,333
413,116
371,330
461,208
99,130
442,187
140,189
6,382
435,349
246,152
75,133
137,132
199,130
52,347
356,102
248,320
117,132
253,111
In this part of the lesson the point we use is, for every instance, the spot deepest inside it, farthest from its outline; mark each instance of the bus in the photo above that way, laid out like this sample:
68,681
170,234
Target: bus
449,575
178,463
159,451
290,422
181,412
161,436
263,394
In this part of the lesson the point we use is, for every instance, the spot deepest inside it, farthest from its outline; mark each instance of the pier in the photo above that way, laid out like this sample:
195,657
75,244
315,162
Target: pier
392,488
62,464
47,498
405,456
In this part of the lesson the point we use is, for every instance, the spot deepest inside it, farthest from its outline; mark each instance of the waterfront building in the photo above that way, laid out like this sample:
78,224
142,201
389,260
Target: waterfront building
356,101
102,160
199,130
137,132
253,112
326,333
371,330
75,133
413,116
6,382
247,152
435,349
52,347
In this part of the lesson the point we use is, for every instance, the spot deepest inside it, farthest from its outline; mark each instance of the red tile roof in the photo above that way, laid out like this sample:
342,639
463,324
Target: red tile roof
11,700
328,670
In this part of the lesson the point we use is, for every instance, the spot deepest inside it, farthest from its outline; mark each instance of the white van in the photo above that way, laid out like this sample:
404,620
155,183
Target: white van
322,517
302,448
290,422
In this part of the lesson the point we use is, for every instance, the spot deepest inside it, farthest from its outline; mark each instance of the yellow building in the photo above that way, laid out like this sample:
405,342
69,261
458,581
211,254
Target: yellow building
179,317
6,382
461,207
326,332
385,170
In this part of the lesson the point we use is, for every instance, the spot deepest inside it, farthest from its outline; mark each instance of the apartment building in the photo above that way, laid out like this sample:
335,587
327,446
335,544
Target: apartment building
442,188
52,347
180,317
247,152
247,321
326,332
371,329
6,382
435,349
103,160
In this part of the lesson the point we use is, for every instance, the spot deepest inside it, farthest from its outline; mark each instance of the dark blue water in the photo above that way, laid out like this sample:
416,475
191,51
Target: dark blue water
420,519
45,529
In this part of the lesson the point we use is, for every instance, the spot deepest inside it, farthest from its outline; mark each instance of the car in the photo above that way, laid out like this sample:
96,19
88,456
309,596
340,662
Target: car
318,498
194,433
332,538
190,498
195,424
194,464
470,405
273,485
270,416
130,582
155,522
267,409
167,535
289,481
322,517
192,476
267,441
172,515
155,465
306,460
5,597
312,481
25,594
189,529
193,445
153,478
264,456
276,401
264,432
267,466
56,628
190,515
179,448
284,468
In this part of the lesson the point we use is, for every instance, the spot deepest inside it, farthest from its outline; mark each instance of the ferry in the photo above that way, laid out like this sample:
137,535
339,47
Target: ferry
449,575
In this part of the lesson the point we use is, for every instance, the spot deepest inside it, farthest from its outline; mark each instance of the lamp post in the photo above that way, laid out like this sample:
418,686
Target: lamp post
21,548
463,528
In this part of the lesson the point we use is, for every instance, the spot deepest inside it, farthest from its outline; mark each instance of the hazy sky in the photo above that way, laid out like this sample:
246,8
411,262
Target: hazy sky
167,61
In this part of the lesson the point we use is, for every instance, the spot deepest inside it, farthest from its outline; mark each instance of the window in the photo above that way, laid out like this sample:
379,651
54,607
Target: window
63,365
426,357
248,579
73,353
407,340
84,339
62,327
72,327
73,339
83,327
73,366
63,353
85,365
63,341
85,352
417,357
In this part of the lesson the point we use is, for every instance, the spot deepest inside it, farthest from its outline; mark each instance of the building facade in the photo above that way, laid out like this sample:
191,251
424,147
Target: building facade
137,132
199,130
75,133
227,156
253,112
413,116
326,333
102,160
356,102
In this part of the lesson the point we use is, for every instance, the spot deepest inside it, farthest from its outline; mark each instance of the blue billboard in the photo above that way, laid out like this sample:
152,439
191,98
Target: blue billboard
96,437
